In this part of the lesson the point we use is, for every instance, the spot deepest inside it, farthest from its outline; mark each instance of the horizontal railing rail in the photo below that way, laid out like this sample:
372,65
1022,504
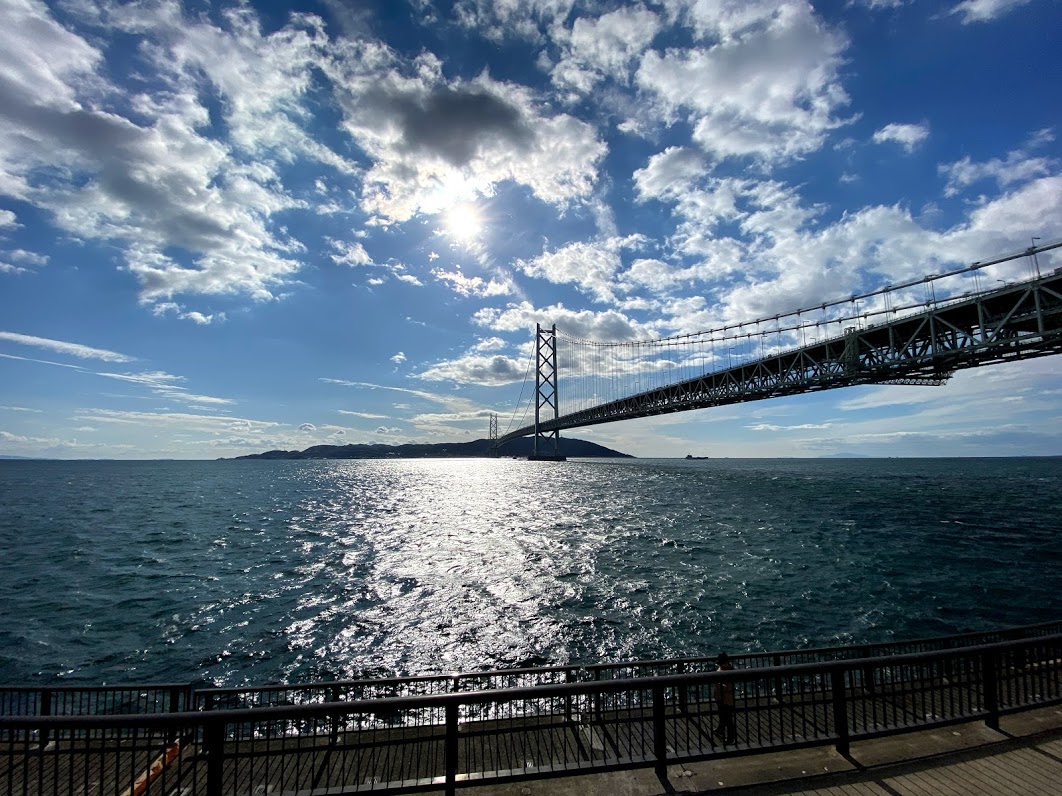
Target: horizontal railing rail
172,697
312,693
467,737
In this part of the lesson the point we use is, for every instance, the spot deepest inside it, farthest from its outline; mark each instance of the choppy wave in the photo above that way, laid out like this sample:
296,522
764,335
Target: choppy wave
234,572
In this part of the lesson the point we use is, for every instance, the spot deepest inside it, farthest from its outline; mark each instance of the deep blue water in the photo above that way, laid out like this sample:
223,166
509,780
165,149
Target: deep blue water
265,571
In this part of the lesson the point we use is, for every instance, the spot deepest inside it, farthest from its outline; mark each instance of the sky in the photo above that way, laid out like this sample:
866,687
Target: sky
232,227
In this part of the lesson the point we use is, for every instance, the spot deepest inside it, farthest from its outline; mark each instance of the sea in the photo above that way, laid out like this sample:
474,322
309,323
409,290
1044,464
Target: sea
247,572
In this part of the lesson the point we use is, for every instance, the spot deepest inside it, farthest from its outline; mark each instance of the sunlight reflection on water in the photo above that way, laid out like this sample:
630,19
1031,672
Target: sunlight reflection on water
272,571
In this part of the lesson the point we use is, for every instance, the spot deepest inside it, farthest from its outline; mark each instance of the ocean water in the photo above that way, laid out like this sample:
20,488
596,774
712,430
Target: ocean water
236,572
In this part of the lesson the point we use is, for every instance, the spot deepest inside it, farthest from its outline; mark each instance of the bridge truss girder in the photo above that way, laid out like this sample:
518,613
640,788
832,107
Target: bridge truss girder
1019,321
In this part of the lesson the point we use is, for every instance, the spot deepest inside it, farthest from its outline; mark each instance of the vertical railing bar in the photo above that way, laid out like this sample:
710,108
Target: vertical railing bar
840,710
659,733
214,747
990,683
451,748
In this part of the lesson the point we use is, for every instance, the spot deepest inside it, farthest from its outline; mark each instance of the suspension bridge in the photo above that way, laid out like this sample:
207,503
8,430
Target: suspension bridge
918,332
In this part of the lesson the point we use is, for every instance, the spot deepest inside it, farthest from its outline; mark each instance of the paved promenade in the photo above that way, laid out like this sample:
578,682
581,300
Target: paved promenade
1024,758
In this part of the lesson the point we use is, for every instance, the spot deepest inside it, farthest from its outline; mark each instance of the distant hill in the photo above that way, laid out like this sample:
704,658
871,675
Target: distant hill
480,447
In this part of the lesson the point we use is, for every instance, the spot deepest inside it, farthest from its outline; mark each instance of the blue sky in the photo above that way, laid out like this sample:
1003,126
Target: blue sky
227,228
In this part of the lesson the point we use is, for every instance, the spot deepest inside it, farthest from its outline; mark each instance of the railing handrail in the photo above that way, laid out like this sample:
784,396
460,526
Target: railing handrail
563,668
23,689
196,694
501,695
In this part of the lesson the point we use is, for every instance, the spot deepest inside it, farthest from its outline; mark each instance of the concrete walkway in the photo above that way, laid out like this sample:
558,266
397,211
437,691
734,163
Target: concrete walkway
1024,758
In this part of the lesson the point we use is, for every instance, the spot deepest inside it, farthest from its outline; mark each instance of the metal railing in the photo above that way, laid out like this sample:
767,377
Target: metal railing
341,690
464,738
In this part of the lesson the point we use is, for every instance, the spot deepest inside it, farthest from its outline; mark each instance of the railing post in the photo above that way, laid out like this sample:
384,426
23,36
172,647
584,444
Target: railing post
840,710
333,734
569,677
214,746
46,710
680,668
990,681
659,732
174,707
451,748
777,661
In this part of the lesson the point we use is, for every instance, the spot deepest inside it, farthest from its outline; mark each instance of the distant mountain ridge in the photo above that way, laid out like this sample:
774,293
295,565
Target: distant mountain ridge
477,448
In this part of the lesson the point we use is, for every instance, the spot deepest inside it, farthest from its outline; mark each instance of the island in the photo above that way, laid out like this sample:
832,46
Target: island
480,448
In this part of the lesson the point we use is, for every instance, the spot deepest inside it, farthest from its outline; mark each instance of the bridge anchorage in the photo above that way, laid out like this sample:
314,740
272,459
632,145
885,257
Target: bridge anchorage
919,332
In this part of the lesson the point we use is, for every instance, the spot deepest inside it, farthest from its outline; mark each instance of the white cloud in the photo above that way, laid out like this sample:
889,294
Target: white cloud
398,358
606,46
1019,165
307,427
798,427
985,10
192,213
168,386
765,85
527,19
590,266
349,253
475,368
476,286
24,257
8,220
213,424
908,136
609,326
171,307
366,415
435,143
72,349
669,174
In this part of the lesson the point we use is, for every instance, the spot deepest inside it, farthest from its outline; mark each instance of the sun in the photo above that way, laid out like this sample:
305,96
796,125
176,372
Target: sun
463,223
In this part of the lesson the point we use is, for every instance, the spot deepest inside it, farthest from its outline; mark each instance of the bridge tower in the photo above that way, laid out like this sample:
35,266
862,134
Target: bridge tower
547,444
493,436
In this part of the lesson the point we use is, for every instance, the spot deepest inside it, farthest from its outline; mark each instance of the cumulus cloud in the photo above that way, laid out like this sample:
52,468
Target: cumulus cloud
762,81
435,142
398,358
909,136
8,220
307,427
669,174
474,368
609,326
192,216
590,266
603,47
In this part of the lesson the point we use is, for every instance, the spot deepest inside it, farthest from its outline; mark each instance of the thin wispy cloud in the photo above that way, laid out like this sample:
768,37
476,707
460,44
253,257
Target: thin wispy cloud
77,350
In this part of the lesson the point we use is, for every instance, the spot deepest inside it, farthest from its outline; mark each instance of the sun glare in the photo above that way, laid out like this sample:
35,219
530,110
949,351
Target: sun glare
463,223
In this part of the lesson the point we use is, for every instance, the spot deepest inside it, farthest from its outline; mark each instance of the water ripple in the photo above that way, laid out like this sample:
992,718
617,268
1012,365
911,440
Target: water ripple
237,572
